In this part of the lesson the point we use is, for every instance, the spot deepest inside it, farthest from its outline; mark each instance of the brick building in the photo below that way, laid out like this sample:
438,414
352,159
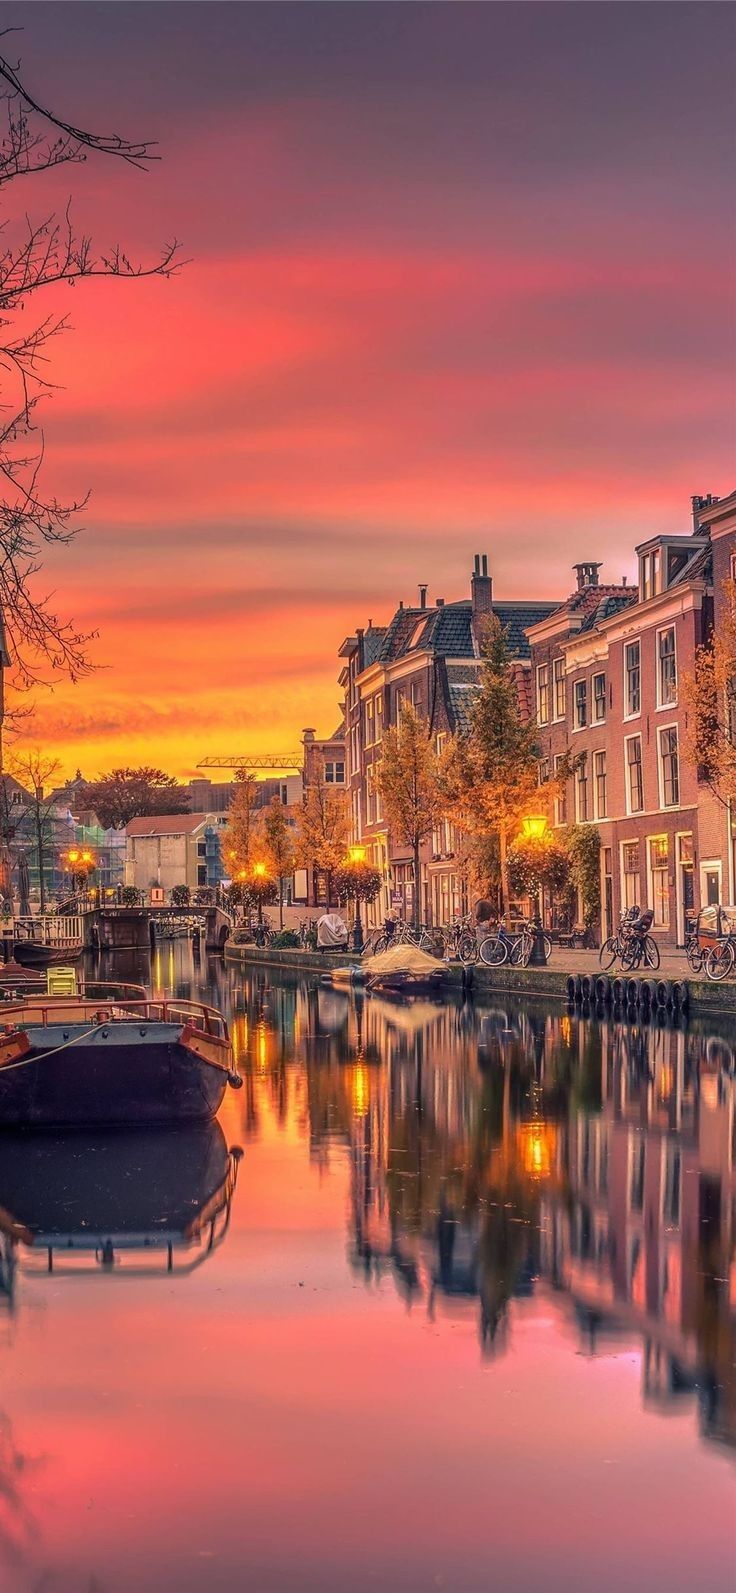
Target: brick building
429,656
607,671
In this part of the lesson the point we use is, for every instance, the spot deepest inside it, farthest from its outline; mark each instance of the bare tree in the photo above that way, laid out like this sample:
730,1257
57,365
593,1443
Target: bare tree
38,254
36,771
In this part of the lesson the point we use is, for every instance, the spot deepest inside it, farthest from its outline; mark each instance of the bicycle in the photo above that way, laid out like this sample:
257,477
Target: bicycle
402,934
631,943
460,940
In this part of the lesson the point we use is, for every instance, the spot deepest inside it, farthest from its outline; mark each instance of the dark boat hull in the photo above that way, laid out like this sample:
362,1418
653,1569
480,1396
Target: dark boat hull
111,1075
33,954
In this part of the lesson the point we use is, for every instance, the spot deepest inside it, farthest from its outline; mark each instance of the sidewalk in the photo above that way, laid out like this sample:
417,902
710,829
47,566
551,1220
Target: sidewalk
674,964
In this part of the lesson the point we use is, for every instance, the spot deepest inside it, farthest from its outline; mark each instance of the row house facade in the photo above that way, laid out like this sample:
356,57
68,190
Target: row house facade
429,656
607,670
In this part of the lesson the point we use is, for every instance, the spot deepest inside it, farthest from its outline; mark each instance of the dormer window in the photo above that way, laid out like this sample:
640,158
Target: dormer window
649,574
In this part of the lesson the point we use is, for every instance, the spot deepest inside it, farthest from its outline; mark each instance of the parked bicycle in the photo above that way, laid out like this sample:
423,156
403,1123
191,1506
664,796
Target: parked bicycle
501,947
632,943
396,932
459,940
716,940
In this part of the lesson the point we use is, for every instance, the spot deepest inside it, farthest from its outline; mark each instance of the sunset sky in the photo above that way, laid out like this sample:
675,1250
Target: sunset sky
461,279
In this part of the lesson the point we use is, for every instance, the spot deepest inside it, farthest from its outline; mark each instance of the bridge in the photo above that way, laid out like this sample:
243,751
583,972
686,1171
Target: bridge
112,928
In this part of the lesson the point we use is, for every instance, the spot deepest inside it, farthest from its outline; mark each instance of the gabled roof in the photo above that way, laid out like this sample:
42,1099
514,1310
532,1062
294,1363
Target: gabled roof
447,631
166,824
698,568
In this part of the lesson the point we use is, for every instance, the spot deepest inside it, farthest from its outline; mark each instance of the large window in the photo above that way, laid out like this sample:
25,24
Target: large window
599,698
334,772
669,765
543,694
666,667
658,881
649,572
581,704
630,874
599,777
561,797
634,778
558,671
632,678
581,789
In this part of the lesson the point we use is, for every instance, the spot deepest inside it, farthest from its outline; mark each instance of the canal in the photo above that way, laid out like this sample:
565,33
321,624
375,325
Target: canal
461,1317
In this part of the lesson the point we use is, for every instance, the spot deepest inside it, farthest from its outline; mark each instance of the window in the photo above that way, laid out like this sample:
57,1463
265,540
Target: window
543,771
561,798
630,876
599,698
634,778
543,694
669,764
370,723
632,683
599,777
649,566
201,849
202,874
334,773
581,789
558,672
658,880
440,742
581,704
666,667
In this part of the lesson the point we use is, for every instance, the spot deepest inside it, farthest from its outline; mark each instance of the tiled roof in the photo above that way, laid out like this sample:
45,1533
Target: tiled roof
447,632
698,568
516,619
608,606
166,824
372,639
460,700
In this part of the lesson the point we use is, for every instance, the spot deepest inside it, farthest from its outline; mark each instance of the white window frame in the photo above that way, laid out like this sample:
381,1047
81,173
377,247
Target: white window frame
633,813
664,706
600,674
582,680
668,807
631,840
561,800
542,669
600,752
658,924
558,718
578,816
634,713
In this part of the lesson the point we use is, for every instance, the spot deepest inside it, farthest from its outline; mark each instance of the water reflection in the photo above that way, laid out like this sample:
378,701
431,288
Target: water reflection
117,1203
497,1153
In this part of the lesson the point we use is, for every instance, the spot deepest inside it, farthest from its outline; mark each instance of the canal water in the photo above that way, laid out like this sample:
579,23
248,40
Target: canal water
461,1317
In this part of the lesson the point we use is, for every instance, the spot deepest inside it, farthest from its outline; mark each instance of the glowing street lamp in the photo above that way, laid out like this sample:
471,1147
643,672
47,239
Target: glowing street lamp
356,854
534,827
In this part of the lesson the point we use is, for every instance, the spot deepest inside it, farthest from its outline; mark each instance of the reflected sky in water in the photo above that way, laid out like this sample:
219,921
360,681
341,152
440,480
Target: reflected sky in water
462,1317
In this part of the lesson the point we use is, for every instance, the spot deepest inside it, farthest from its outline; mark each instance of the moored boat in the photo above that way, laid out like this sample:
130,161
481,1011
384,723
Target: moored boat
114,1059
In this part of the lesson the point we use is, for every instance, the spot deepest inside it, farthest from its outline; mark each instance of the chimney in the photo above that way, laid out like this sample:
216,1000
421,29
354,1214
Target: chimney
699,503
307,735
481,590
422,596
440,602
587,574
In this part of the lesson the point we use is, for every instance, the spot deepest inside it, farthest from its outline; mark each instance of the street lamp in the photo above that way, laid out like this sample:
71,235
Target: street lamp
534,827
356,860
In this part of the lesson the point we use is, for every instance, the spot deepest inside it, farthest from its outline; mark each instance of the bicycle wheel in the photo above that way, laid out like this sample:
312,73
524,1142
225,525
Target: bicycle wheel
468,949
380,944
719,961
525,944
631,954
694,957
608,952
547,944
651,952
493,951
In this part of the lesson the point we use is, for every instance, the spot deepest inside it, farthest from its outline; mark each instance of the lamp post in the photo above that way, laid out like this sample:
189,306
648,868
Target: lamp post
356,856
534,828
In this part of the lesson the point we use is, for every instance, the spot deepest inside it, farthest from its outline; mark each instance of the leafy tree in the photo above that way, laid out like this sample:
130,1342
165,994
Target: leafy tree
38,254
584,847
408,777
278,833
36,772
491,772
323,826
534,864
357,882
127,794
242,835
709,693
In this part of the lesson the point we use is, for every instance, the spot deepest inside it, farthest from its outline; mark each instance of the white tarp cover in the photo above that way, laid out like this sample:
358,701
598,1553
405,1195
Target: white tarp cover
331,930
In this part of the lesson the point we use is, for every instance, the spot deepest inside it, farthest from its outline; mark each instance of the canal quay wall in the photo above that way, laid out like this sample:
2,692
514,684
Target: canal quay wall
701,995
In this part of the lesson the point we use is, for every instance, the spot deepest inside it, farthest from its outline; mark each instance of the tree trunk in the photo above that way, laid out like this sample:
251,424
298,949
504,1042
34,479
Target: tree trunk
39,844
417,879
504,871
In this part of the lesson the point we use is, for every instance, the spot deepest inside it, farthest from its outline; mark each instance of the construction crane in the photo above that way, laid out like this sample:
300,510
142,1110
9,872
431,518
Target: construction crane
257,762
